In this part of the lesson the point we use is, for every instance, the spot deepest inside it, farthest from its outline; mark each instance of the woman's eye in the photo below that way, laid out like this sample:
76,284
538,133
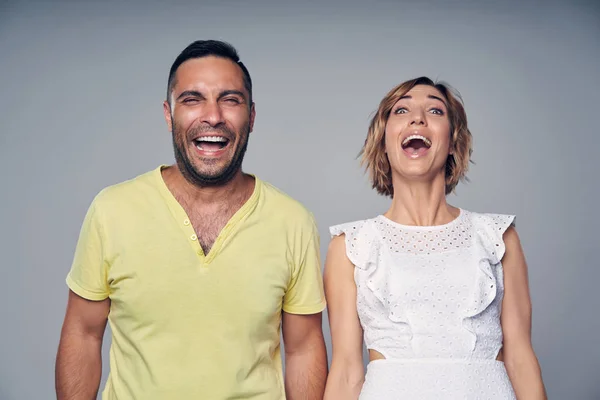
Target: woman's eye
437,111
401,110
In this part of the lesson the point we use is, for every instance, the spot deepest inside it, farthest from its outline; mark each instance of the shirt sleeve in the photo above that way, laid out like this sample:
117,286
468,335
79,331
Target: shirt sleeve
88,274
305,293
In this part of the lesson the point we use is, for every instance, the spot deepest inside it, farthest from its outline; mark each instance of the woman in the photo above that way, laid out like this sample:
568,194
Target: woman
440,293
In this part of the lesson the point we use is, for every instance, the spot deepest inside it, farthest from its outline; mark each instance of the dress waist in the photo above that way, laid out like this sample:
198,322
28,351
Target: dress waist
437,378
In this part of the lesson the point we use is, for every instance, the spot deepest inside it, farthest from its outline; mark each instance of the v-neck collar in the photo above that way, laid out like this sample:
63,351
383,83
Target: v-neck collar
183,221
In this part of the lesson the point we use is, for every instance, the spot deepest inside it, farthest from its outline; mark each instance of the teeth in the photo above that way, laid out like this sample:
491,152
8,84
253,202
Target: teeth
199,147
214,139
411,137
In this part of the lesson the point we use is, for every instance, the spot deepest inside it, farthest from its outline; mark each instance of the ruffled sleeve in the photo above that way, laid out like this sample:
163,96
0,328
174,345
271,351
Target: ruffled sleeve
491,229
358,242
363,245
362,249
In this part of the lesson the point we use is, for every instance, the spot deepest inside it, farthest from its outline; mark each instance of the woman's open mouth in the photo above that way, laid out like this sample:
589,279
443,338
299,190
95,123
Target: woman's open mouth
416,146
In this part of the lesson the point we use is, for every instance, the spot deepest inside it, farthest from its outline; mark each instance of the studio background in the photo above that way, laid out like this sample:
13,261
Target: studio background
82,86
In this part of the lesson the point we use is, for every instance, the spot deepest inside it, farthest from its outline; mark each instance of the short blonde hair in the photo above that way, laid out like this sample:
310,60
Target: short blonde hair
374,157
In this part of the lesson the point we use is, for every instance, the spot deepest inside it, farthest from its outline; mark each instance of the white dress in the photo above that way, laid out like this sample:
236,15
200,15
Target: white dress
429,300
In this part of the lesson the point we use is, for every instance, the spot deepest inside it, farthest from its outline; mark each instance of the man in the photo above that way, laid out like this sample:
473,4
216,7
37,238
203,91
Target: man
196,266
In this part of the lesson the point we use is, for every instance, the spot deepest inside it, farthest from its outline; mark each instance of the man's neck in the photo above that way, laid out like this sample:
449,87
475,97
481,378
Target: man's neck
240,186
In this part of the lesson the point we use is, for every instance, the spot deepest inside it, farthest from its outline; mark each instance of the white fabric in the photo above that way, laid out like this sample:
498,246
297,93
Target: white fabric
439,379
431,293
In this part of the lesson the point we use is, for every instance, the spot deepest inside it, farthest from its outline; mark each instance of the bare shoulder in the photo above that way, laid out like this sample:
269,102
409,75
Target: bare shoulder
338,267
511,237
337,244
515,265
514,251
336,251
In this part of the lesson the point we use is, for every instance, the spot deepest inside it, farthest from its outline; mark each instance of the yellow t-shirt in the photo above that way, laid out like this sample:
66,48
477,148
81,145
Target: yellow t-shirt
186,325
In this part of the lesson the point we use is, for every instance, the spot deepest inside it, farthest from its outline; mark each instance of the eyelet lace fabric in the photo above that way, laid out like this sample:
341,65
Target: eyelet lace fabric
431,293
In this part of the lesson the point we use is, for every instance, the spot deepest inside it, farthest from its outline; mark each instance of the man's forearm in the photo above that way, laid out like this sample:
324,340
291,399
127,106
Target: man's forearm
306,373
78,368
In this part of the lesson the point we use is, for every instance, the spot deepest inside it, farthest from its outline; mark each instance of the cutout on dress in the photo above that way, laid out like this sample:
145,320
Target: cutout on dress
375,355
500,355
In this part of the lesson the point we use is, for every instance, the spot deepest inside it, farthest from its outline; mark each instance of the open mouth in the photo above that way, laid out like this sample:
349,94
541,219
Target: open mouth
416,145
211,143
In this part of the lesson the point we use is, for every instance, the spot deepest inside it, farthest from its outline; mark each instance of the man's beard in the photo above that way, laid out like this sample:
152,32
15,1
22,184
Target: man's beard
215,178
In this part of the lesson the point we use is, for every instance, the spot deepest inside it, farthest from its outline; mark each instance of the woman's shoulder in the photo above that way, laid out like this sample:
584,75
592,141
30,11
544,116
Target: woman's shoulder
490,229
360,240
352,228
499,221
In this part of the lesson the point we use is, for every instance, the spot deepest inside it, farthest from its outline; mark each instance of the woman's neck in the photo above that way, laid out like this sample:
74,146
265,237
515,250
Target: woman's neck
421,203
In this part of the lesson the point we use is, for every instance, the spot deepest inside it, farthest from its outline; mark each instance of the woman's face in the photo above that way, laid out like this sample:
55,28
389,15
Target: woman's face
417,134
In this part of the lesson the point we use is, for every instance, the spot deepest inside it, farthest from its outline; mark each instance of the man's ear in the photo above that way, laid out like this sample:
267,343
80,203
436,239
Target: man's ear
167,112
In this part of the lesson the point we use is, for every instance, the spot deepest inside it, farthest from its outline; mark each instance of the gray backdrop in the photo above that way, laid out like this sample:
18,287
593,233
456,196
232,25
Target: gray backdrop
80,109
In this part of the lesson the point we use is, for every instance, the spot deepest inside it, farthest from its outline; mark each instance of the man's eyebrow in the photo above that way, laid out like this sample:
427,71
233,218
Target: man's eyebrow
193,93
232,92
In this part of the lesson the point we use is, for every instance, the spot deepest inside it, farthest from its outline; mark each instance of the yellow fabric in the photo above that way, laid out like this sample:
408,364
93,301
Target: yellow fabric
189,326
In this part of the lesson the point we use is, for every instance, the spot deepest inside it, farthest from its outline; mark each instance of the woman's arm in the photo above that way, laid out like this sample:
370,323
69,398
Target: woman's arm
519,358
346,376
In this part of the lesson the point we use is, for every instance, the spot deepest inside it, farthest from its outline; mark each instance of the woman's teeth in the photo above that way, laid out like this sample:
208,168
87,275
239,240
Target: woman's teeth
416,137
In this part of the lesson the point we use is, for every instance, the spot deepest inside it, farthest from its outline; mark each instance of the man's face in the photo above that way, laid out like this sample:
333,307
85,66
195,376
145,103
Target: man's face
210,118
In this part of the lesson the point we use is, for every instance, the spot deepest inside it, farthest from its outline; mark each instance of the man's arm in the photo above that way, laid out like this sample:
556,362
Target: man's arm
305,356
520,360
79,363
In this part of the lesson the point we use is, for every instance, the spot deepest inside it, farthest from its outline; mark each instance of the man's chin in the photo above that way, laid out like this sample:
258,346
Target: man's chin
212,177
210,171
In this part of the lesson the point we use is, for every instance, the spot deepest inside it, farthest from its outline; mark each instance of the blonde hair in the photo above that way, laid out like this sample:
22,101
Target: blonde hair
374,157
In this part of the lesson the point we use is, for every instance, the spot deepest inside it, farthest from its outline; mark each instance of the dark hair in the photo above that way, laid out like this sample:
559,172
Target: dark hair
205,48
